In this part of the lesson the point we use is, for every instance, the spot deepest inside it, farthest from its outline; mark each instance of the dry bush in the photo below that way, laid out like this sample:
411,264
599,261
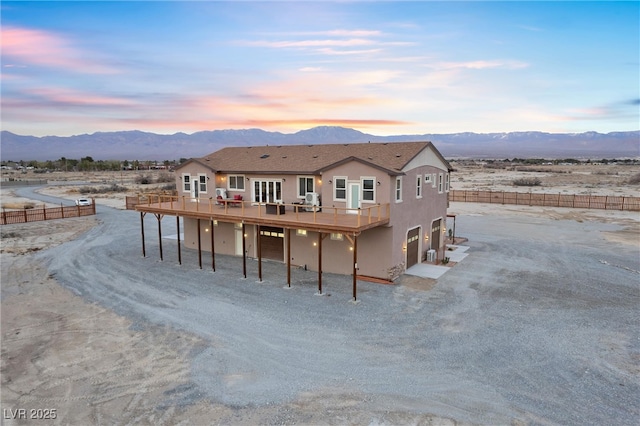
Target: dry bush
19,206
103,190
165,177
634,180
143,179
527,181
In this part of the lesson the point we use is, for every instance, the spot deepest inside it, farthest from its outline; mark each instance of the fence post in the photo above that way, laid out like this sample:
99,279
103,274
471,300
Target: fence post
25,215
44,211
573,202
606,200
502,197
622,203
4,216
62,210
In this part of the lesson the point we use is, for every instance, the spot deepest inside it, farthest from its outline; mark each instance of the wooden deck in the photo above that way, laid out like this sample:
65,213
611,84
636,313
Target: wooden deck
322,219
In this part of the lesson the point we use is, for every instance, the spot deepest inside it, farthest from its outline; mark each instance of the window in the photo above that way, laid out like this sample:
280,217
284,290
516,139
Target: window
368,189
186,182
433,181
337,237
305,184
301,232
202,182
440,183
398,188
446,182
340,188
419,187
236,182
427,178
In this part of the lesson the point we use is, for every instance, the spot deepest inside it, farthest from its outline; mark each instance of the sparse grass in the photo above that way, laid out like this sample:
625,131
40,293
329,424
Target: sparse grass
527,181
165,177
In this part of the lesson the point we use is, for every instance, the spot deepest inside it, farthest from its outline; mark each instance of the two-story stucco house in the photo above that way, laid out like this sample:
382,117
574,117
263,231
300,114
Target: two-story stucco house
370,209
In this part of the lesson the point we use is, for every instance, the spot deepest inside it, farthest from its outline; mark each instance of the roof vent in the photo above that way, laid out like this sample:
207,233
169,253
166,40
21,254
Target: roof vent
264,156
398,155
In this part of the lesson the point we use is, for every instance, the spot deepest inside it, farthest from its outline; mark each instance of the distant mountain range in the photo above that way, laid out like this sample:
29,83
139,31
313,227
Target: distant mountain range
150,146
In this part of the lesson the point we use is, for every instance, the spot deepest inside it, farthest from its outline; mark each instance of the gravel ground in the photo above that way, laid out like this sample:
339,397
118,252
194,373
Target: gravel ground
539,324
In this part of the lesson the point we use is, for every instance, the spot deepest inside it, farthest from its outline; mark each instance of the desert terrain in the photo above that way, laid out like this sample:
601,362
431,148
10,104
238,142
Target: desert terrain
538,325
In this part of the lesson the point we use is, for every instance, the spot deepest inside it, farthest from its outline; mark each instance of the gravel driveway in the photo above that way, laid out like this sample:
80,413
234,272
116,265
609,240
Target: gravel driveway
539,324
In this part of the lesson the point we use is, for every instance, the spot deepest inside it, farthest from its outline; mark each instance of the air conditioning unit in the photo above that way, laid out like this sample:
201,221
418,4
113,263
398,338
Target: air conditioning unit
221,192
431,255
311,199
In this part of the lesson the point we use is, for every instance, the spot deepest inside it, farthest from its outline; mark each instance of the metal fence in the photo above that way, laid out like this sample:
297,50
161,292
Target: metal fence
605,202
34,215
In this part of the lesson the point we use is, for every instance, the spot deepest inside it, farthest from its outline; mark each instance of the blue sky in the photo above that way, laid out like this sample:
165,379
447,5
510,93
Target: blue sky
380,67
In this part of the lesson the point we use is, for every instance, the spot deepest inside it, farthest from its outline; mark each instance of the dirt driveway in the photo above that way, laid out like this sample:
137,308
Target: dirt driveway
538,325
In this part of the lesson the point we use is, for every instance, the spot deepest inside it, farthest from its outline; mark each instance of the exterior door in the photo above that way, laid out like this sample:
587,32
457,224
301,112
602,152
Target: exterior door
194,186
267,191
353,197
238,242
413,247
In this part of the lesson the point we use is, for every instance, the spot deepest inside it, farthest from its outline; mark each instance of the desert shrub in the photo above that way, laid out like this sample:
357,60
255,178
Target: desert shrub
103,190
143,179
169,187
527,181
634,180
165,177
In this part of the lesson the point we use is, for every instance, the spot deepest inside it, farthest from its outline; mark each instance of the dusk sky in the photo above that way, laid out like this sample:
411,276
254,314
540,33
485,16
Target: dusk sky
379,67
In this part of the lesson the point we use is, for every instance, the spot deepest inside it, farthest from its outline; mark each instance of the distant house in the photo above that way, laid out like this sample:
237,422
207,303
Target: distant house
315,205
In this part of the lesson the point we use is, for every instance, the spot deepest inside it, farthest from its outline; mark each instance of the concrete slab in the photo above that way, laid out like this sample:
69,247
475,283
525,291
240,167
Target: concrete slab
427,270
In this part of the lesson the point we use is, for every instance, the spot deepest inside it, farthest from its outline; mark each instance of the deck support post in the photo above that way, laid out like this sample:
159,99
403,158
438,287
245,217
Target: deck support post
213,252
355,265
289,257
179,250
319,262
159,217
199,245
142,214
259,253
244,252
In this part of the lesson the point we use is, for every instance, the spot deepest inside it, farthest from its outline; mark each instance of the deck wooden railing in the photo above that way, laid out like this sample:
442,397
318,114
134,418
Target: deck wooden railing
242,208
46,213
606,202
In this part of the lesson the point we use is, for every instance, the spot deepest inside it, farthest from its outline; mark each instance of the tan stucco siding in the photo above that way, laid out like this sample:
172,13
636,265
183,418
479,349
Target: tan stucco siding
354,171
413,212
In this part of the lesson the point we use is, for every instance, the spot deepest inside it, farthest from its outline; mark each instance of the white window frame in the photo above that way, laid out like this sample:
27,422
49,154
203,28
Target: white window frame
419,186
427,178
372,190
336,236
398,189
186,182
446,182
202,183
434,180
440,183
299,188
336,189
236,178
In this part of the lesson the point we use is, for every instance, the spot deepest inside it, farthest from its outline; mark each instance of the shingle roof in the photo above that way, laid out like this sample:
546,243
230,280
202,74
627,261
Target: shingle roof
313,159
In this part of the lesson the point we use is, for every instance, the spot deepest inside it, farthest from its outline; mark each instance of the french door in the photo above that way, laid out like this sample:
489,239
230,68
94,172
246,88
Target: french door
267,191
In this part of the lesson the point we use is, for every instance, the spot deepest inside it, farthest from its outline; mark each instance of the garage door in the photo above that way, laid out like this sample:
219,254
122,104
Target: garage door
272,243
413,249
435,234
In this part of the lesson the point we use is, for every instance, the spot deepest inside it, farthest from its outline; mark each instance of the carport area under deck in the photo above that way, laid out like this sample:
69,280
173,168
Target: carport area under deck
324,220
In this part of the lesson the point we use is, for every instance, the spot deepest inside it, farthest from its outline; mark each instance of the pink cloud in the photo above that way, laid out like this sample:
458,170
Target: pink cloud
23,46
